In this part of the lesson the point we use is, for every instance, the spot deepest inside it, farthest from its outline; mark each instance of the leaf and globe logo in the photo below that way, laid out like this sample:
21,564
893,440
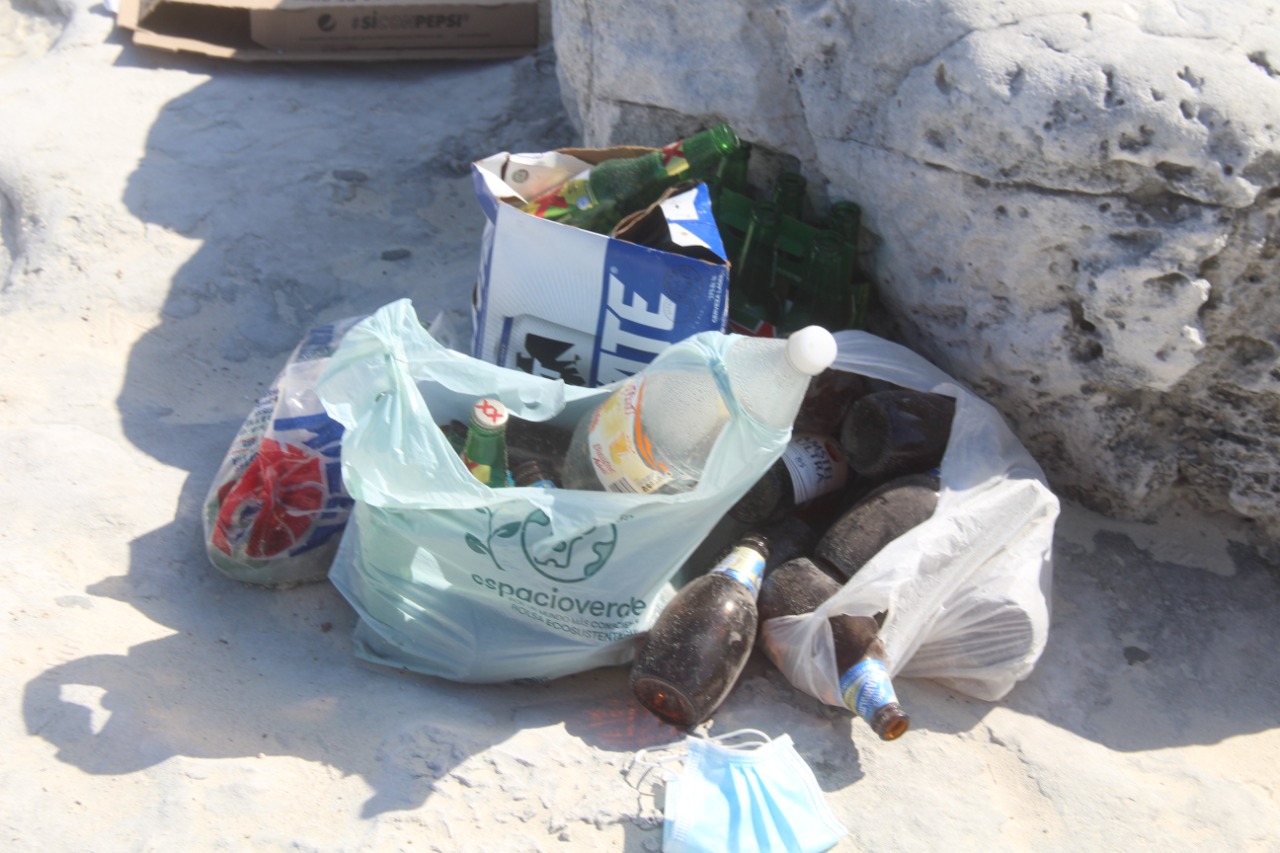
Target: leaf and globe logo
517,537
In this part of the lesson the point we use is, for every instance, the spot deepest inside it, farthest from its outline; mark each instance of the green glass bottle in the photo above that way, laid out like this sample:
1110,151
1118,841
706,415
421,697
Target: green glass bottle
845,218
485,452
733,172
788,194
598,198
752,294
823,297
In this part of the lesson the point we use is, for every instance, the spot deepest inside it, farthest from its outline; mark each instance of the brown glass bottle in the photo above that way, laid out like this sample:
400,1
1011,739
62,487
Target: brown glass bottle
800,586
810,467
887,512
531,473
789,538
696,649
537,441
894,432
828,399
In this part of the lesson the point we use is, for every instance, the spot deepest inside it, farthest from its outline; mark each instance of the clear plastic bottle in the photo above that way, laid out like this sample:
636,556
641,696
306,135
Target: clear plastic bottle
656,430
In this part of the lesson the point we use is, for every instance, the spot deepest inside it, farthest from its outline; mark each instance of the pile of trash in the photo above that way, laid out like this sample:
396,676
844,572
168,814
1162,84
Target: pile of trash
660,360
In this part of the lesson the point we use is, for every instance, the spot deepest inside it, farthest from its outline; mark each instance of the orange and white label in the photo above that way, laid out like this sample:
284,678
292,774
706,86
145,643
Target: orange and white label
621,451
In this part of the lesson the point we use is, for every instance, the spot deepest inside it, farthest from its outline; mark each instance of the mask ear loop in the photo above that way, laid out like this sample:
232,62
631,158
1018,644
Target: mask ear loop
761,739
642,758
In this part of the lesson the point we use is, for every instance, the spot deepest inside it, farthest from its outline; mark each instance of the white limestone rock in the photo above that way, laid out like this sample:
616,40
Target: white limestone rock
1075,203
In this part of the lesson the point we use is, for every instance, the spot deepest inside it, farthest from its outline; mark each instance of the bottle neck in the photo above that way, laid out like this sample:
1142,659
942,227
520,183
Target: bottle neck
866,687
745,565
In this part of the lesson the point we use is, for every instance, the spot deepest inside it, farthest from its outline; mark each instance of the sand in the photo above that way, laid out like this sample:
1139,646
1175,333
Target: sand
171,225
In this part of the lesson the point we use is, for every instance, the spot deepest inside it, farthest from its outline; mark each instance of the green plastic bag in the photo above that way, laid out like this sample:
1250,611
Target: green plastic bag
452,578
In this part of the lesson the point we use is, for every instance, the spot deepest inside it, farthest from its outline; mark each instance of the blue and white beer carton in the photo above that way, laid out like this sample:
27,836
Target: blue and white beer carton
554,300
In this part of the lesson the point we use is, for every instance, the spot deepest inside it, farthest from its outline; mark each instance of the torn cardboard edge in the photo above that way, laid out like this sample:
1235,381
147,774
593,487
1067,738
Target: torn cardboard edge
338,30
588,308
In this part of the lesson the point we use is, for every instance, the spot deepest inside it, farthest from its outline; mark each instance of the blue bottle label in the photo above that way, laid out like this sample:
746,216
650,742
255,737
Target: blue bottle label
744,565
866,688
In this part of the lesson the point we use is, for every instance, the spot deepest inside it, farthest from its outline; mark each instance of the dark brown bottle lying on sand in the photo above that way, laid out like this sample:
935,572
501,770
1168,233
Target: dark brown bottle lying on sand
800,586
884,514
899,431
698,646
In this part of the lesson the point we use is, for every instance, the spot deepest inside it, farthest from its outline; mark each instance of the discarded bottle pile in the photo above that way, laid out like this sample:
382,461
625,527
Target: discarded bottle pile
865,474
799,473
790,269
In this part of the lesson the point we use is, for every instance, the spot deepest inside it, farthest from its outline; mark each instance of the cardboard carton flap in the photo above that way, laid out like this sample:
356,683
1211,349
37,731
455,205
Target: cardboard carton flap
146,7
335,29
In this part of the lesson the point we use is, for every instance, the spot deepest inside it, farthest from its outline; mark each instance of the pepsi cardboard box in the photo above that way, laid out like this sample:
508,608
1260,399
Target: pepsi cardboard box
557,301
338,29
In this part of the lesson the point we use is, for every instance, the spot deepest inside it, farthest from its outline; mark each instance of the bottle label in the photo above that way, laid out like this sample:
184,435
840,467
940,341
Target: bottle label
541,483
866,688
483,473
673,159
573,195
621,452
816,464
745,565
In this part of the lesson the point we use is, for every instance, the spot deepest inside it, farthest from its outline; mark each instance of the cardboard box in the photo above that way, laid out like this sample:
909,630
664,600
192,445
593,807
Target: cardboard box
558,301
336,29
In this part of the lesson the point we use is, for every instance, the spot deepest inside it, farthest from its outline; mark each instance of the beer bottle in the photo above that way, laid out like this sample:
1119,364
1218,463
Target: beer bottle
598,198
733,171
530,473
456,432
752,295
811,466
800,586
537,441
828,399
699,644
884,514
824,296
485,451
790,538
897,431
789,192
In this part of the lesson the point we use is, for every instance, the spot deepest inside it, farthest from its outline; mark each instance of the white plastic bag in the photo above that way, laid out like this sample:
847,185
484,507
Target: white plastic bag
967,591
455,579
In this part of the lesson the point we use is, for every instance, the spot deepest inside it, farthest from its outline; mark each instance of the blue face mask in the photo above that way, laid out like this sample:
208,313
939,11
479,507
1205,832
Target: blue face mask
756,795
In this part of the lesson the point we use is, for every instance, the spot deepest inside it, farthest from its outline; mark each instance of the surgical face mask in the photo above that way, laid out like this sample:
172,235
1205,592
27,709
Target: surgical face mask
754,795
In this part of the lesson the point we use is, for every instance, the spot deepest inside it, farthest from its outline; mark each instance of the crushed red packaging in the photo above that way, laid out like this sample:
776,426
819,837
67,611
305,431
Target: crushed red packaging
277,506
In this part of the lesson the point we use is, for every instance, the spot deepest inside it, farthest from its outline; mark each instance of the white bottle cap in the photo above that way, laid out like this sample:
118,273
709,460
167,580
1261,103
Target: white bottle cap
811,350
489,413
